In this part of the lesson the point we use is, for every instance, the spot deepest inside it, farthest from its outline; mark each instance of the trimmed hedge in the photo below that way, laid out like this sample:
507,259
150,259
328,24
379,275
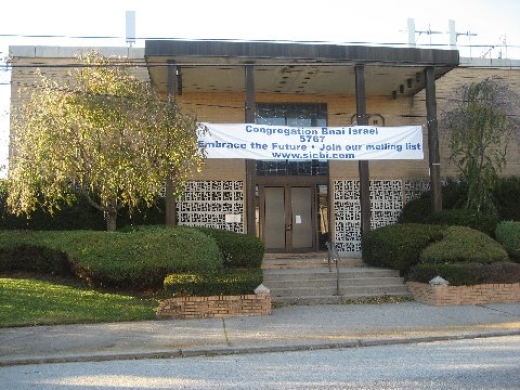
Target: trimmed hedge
402,246
398,246
463,244
136,260
231,282
238,250
467,274
34,258
483,222
508,234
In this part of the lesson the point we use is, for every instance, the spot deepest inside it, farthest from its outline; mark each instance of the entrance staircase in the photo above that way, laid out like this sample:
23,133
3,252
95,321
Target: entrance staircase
312,279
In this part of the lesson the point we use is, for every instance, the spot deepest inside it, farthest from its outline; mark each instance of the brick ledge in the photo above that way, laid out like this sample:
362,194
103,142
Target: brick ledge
443,295
215,306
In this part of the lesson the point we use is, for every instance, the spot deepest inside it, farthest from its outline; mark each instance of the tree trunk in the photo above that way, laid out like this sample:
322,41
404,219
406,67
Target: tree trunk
111,217
171,214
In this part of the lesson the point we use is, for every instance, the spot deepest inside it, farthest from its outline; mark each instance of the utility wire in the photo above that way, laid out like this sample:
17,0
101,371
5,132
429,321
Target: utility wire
111,37
139,63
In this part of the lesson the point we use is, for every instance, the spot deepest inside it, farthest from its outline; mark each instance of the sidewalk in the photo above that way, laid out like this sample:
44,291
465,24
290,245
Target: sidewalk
287,329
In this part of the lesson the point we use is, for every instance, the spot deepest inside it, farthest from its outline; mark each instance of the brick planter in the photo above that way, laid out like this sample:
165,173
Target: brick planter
215,306
444,295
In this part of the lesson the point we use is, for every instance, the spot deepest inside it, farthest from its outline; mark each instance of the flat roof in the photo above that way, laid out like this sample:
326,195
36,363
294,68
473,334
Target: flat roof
281,67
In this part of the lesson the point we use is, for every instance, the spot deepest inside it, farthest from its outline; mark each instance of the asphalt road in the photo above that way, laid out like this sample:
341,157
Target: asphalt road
487,363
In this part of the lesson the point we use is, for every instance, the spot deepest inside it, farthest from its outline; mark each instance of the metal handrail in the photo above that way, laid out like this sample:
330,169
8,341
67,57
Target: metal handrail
333,255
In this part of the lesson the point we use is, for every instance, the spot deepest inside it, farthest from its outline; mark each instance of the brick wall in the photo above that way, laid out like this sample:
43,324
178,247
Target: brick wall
215,306
225,107
445,87
444,295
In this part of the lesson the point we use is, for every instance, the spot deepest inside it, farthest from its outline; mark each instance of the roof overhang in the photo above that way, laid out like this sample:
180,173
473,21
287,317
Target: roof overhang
301,68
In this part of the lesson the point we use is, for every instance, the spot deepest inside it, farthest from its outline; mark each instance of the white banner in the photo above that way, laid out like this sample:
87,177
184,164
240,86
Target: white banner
263,142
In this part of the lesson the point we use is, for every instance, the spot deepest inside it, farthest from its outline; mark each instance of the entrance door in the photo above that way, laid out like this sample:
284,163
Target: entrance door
288,218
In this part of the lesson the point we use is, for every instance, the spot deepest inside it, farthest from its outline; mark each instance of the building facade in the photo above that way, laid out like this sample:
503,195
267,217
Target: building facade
298,206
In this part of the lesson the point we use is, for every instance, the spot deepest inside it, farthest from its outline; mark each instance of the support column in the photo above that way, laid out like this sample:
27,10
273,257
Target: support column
250,164
364,175
171,209
433,140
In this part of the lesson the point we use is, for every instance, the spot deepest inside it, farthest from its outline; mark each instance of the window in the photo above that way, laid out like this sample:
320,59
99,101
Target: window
309,115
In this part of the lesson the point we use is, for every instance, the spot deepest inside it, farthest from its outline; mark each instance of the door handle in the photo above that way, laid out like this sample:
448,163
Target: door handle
288,227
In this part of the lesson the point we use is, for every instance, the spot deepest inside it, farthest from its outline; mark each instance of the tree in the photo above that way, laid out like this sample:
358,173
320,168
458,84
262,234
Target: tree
101,133
481,126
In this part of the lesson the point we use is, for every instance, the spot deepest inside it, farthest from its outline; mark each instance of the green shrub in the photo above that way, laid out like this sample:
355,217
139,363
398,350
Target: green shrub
237,250
136,260
398,246
79,215
416,210
508,234
507,198
33,258
484,222
463,244
454,195
467,274
231,282
142,259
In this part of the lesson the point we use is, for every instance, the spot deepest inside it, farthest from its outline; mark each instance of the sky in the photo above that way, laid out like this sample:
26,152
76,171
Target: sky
489,23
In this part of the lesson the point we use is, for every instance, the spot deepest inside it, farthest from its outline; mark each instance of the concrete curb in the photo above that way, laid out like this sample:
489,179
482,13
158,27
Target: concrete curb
187,353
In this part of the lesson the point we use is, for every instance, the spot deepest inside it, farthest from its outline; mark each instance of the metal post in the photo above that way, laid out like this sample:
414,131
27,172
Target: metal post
364,175
250,164
411,32
433,140
171,209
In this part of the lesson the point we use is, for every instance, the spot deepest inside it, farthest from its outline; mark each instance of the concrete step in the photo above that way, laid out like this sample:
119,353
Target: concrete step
309,263
327,300
344,291
332,281
324,274
310,285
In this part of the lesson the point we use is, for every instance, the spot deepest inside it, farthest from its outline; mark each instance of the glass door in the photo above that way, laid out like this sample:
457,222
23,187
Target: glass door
301,218
287,218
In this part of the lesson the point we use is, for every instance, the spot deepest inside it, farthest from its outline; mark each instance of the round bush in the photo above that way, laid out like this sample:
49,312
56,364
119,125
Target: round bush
463,244
398,246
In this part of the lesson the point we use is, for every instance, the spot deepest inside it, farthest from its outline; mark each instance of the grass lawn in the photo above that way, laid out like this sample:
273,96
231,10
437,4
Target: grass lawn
25,301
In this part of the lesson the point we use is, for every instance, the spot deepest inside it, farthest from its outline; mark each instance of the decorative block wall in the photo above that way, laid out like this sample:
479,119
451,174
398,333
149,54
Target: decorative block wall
414,188
220,204
216,204
387,198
